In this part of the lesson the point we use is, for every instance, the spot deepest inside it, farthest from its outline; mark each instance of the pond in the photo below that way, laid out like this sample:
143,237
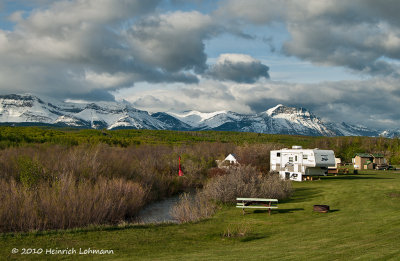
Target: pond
158,212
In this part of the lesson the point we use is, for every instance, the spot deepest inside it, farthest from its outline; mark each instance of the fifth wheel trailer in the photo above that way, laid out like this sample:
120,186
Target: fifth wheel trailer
298,163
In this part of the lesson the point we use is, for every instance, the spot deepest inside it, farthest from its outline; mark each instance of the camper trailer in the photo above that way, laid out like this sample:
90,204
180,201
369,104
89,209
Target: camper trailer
298,163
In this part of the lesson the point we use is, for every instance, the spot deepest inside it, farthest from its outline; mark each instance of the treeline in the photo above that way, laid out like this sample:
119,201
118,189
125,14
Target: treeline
344,147
17,136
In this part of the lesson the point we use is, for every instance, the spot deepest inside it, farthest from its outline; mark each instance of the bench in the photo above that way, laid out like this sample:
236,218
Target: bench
261,203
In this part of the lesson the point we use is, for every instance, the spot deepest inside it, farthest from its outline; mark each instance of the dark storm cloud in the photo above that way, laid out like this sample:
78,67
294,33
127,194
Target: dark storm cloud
238,68
172,42
94,95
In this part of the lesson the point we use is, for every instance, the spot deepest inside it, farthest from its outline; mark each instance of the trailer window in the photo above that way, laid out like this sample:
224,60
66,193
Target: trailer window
278,154
295,158
305,157
290,159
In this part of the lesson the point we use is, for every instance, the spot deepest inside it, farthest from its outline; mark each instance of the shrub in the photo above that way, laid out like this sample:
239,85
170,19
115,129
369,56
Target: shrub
30,172
257,155
274,187
215,172
67,204
193,208
246,182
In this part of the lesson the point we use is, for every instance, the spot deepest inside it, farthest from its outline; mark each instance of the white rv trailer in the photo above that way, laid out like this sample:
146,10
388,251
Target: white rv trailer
297,162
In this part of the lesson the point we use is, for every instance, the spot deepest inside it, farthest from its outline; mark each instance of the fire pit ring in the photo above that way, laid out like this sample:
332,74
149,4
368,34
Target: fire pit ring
321,208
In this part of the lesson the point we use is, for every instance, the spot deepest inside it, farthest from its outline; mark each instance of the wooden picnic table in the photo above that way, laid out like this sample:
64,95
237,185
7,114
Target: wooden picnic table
261,203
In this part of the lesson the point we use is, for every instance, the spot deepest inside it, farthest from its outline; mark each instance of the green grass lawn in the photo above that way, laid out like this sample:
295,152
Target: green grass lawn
364,224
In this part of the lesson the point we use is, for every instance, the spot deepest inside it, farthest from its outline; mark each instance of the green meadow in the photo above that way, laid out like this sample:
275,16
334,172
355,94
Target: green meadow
363,224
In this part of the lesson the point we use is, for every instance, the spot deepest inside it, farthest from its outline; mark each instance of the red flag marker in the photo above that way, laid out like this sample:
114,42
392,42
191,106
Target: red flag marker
180,169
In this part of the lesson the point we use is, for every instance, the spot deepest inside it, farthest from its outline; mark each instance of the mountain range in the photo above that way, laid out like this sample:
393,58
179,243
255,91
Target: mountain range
28,109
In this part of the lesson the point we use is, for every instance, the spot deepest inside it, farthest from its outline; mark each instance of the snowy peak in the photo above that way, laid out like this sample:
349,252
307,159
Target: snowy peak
390,133
195,118
27,108
273,110
282,111
31,109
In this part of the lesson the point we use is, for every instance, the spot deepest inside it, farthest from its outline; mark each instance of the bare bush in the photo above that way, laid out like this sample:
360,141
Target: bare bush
274,187
67,204
215,172
154,166
239,182
246,182
257,155
54,186
193,208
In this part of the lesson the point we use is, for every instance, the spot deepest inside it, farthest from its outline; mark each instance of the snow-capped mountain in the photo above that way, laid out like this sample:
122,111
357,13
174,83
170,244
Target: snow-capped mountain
277,120
111,115
206,121
29,109
390,133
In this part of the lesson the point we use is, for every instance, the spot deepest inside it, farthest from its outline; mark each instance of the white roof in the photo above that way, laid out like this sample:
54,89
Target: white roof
230,157
302,150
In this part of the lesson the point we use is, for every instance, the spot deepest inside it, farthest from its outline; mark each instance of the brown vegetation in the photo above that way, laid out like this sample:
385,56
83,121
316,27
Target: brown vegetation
257,155
193,208
245,181
56,186
66,203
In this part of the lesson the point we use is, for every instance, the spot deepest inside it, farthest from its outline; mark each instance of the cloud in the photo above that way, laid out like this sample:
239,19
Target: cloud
360,35
50,49
172,41
87,49
70,48
94,95
157,105
367,102
238,68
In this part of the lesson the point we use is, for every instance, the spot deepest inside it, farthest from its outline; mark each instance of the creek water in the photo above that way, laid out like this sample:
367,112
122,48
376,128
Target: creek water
158,212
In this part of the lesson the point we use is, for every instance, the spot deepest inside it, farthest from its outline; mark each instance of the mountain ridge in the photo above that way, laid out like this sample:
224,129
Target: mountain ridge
24,109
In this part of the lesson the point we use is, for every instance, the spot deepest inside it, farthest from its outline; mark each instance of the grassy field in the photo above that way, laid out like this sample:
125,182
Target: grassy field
364,224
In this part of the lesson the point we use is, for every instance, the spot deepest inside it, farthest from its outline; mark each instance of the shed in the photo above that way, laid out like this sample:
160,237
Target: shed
231,159
368,160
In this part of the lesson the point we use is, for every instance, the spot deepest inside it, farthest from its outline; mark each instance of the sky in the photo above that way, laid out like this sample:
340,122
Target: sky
338,58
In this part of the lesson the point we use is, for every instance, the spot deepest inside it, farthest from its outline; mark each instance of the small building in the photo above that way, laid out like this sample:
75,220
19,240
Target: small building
298,163
231,159
368,160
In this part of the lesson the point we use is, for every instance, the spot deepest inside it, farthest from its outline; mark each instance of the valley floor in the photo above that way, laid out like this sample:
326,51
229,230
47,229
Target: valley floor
364,224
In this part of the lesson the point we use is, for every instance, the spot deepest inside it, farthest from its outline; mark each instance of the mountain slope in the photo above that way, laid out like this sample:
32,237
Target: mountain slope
277,120
28,109
31,109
